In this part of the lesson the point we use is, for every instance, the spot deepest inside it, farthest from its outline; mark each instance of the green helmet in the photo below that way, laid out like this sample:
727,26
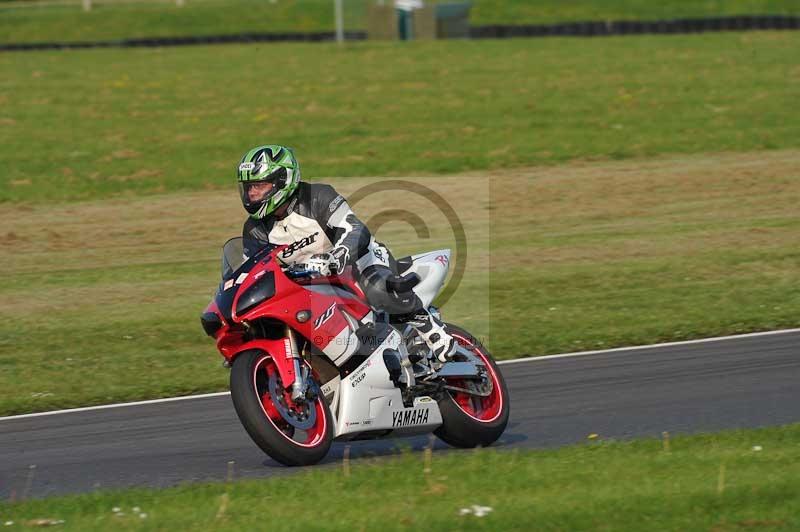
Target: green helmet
262,166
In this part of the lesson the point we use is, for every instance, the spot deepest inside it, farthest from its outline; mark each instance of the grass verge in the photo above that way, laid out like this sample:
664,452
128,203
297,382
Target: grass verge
106,295
129,122
602,255
723,482
20,22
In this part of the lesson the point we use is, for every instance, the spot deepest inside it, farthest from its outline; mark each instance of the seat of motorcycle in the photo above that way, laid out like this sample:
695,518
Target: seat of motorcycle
404,264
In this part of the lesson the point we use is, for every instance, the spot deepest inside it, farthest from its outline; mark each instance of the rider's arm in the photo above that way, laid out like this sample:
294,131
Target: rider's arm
349,235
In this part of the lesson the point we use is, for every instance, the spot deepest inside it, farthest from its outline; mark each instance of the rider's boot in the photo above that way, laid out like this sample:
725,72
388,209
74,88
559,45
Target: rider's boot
431,330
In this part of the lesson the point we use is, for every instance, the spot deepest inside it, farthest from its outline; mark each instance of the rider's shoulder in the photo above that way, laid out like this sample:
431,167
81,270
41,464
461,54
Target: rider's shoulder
319,190
257,229
323,196
249,224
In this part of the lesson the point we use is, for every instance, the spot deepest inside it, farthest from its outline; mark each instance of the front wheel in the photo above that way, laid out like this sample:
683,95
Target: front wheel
470,419
294,434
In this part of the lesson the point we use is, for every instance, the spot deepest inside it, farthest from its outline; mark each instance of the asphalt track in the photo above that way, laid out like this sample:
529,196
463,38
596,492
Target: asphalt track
750,381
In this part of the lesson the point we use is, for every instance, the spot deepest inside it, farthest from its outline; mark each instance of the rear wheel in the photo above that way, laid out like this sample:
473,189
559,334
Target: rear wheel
480,417
292,433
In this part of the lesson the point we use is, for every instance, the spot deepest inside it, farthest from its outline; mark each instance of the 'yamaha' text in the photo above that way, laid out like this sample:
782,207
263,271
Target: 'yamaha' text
409,417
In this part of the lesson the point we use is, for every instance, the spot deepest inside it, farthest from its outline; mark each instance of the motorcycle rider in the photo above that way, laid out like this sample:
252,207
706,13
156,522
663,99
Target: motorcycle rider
323,233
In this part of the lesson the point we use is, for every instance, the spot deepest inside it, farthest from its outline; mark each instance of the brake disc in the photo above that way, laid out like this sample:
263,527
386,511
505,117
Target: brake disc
303,419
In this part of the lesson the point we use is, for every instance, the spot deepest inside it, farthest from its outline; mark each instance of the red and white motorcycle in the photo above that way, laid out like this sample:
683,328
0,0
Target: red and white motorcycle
311,362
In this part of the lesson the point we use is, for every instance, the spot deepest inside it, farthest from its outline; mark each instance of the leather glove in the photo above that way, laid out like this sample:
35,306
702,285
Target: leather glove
340,256
320,263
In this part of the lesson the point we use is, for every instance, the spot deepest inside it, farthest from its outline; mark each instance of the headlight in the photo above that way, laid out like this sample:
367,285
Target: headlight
211,323
259,292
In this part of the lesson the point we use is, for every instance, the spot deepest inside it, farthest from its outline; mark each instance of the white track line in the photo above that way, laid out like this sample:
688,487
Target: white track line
650,346
501,362
116,405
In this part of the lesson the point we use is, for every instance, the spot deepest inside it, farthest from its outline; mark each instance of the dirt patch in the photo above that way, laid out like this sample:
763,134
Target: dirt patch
529,218
658,207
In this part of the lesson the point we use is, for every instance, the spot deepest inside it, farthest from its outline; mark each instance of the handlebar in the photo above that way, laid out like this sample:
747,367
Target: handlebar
300,274
296,273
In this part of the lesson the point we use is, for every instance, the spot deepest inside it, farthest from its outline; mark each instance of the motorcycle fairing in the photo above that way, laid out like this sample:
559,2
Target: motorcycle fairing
321,300
328,328
280,350
432,268
366,400
369,401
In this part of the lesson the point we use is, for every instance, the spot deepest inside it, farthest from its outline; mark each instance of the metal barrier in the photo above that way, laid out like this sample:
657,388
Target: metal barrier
580,29
634,27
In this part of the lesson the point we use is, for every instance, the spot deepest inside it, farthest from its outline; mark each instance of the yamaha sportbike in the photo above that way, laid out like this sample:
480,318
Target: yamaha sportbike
311,362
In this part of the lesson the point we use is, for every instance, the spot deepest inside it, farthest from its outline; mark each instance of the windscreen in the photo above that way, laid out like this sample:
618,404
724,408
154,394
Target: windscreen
232,256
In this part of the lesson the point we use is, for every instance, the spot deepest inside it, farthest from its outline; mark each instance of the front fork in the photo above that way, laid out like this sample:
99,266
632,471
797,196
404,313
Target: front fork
300,384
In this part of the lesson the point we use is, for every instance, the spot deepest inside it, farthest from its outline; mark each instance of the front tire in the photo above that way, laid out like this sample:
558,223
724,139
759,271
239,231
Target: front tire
292,434
469,420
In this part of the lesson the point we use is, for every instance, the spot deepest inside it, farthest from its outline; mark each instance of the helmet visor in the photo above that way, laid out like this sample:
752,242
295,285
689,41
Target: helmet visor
256,191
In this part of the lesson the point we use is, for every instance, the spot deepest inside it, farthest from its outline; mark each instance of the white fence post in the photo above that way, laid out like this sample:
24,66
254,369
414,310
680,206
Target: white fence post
87,5
337,7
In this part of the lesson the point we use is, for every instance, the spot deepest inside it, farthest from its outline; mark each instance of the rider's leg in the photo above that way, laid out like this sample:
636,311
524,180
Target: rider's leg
407,307
432,331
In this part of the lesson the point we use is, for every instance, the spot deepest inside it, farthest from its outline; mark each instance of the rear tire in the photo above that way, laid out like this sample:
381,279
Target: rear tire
268,424
469,421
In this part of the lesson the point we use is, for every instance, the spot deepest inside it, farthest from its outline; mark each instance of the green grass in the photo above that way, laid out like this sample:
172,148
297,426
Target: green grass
113,204
96,351
108,122
639,302
119,20
625,254
104,303
710,482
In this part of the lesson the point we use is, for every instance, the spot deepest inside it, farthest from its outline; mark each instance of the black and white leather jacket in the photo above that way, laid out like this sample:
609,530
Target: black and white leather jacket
317,220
